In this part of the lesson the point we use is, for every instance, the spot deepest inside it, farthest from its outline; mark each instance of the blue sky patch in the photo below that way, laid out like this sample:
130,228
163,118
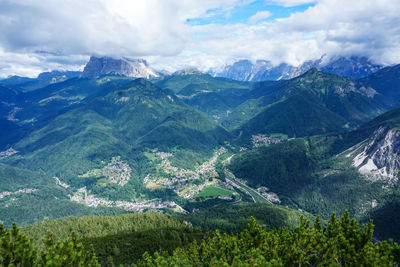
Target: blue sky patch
241,14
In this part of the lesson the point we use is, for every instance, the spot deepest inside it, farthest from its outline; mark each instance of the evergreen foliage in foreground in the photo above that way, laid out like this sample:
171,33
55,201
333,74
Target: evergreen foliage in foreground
120,239
341,243
16,249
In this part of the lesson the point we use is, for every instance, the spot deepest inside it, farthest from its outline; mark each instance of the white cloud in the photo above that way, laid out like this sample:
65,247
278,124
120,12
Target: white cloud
289,3
260,15
157,30
334,27
370,28
116,28
31,64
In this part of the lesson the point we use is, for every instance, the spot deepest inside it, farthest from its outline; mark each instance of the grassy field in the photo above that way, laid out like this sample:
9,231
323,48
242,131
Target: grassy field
212,191
150,156
153,186
279,135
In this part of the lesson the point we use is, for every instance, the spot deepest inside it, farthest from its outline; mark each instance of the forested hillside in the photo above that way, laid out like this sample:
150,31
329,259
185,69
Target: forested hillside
199,133
210,151
165,241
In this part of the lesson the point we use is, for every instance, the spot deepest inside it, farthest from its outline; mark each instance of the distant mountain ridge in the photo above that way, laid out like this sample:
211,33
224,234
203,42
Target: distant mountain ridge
58,75
42,80
241,70
261,70
188,71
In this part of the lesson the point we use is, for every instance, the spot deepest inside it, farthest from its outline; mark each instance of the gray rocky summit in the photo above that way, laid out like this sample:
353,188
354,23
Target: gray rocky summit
98,66
188,71
261,70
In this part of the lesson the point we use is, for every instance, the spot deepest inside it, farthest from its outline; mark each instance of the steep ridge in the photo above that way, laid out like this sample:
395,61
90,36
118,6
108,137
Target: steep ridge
356,170
313,103
387,82
378,155
377,158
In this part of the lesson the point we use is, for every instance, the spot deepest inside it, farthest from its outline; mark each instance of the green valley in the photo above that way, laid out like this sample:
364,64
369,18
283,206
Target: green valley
211,152
200,133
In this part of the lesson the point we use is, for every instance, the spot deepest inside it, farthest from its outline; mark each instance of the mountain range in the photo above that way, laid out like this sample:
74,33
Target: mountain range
241,70
261,70
119,137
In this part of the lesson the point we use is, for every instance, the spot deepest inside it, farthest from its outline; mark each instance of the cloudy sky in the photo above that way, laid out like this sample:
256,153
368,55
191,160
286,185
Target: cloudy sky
41,35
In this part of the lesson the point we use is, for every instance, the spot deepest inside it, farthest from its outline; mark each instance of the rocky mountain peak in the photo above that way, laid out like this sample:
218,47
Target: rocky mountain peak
261,70
57,75
353,66
188,71
98,66
242,70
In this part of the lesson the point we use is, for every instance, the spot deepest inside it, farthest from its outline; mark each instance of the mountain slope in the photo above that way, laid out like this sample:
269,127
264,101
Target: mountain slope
23,112
14,179
313,103
378,154
387,82
10,131
355,170
216,97
28,197
123,239
234,218
135,116
107,147
183,82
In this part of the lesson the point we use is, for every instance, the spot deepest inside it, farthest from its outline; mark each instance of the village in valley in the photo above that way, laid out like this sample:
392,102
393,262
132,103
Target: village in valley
82,196
203,182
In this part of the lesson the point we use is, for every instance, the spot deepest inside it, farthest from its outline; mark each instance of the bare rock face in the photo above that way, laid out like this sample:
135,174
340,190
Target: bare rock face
261,70
98,66
379,157
187,71
57,75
